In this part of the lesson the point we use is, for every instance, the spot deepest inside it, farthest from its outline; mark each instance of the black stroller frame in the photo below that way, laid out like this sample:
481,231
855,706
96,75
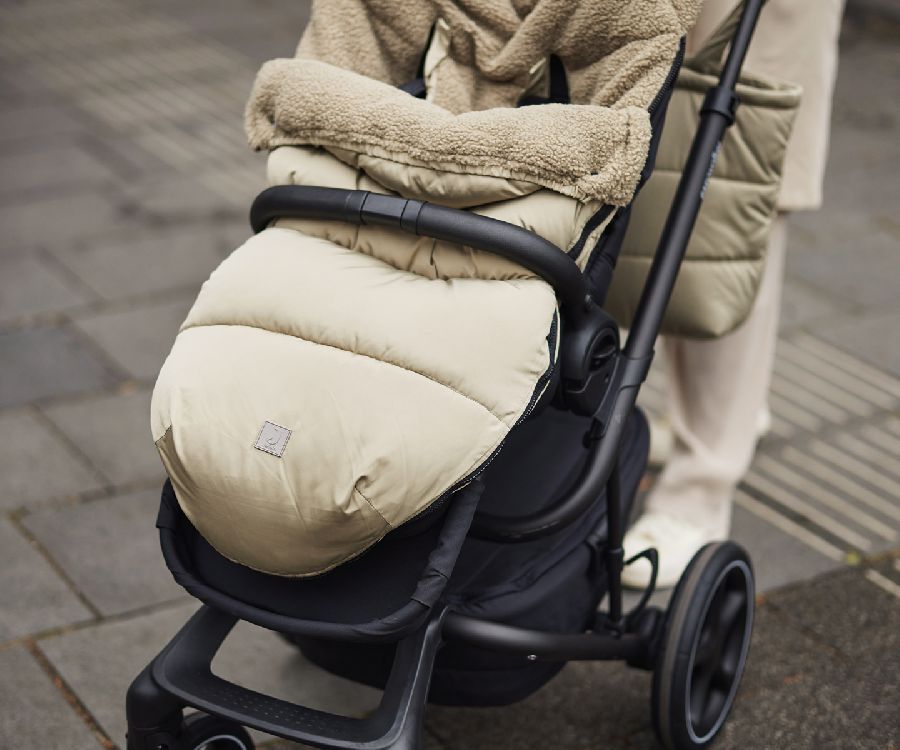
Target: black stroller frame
713,601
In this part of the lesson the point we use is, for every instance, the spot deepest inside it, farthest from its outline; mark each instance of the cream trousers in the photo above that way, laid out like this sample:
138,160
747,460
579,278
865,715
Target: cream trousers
717,389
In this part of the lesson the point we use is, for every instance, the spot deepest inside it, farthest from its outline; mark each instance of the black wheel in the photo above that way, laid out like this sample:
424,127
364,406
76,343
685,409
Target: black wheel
203,732
704,647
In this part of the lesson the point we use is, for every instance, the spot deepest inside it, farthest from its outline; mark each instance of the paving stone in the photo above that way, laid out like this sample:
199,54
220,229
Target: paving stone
178,198
847,258
587,705
35,714
11,90
43,362
110,550
34,597
797,693
50,168
59,220
850,706
139,338
33,121
282,20
114,433
873,338
845,611
30,286
36,465
777,558
122,267
807,308
260,43
99,663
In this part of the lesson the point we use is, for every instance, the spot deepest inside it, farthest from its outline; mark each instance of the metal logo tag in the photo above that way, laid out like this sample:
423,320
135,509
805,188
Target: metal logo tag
272,439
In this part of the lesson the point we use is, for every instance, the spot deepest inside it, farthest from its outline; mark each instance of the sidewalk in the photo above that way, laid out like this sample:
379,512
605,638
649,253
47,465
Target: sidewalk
124,180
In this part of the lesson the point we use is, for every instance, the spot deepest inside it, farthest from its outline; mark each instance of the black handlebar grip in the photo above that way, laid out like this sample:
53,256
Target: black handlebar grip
417,217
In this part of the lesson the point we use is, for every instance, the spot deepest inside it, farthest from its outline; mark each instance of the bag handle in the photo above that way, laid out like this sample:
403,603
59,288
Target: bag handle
710,55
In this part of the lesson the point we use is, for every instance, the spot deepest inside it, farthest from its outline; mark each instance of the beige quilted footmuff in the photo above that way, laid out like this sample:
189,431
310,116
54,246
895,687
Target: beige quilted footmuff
333,381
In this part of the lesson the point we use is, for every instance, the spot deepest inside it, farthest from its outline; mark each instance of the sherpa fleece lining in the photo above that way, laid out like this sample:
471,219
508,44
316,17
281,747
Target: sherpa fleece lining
581,151
339,91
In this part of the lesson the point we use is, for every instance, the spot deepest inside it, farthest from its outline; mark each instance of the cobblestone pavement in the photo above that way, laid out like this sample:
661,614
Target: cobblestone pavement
124,180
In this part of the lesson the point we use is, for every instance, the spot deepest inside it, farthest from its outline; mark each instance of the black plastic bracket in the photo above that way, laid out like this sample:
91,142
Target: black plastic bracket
154,716
722,101
627,373
587,357
181,676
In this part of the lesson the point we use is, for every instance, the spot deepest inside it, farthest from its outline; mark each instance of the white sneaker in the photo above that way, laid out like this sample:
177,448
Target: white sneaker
661,442
675,540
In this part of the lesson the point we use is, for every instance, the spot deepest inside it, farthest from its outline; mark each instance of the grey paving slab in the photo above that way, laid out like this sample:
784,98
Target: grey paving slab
11,90
777,558
34,597
808,308
34,713
587,705
799,693
138,338
874,338
36,464
834,708
34,121
50,168
846,611
59,220
110,550
184,201
124,266
282,19
845,256
114,432
50,361
99,663
261,42
29,285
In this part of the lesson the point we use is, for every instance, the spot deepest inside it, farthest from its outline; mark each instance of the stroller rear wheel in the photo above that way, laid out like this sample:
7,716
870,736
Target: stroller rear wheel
203,732
704,647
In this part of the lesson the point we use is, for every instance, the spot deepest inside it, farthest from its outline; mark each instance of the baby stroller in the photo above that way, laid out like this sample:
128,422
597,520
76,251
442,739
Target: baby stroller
472,583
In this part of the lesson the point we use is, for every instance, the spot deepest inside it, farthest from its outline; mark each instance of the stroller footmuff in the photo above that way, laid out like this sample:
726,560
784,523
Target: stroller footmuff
399,427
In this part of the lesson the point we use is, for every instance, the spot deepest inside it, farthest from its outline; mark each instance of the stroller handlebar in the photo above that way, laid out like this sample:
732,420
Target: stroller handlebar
501,238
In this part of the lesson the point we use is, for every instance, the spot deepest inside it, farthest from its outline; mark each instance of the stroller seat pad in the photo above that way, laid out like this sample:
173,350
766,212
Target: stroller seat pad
378,388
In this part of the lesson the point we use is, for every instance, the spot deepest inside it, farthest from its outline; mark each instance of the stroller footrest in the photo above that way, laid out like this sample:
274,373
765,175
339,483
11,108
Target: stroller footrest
183,670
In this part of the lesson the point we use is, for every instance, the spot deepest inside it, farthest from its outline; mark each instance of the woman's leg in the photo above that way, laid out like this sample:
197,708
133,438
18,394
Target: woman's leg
717,391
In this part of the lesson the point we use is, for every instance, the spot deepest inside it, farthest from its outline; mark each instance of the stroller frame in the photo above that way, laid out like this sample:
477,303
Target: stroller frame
601,380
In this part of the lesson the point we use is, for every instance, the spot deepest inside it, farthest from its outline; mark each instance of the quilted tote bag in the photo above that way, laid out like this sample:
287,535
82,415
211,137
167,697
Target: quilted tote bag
719,279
